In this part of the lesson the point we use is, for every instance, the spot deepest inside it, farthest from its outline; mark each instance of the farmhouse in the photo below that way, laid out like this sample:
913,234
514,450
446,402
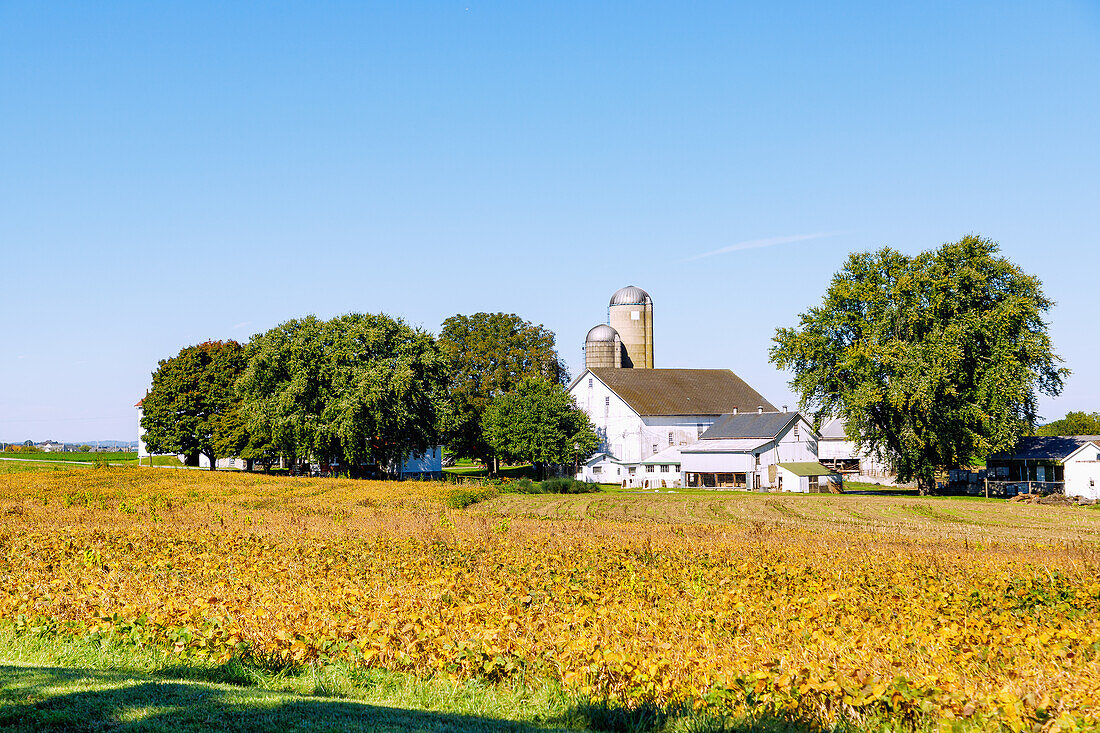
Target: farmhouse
640,412
744,451
1043,464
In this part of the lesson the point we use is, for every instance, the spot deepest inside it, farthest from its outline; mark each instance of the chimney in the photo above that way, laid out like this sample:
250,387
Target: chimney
735,411
759,409
784,408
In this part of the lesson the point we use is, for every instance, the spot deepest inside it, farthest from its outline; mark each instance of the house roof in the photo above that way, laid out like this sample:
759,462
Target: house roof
806,468
668,455
680,391
726,445
833,430
601,457
750,425
1044,447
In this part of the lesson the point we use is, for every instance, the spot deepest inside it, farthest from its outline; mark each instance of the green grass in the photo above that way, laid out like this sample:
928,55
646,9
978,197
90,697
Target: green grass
66,684
76,456
476,470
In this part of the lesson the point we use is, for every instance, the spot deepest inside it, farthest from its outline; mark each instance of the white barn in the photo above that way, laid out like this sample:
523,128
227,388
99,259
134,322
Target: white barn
743,451
640,412
839,453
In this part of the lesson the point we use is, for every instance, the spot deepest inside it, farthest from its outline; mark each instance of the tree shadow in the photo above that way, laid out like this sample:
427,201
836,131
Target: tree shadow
117,701
92,700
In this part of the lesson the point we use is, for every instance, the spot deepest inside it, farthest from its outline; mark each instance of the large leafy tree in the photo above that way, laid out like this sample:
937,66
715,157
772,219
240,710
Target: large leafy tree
1074,423
489,355
539,422
931,360
360,388
192,394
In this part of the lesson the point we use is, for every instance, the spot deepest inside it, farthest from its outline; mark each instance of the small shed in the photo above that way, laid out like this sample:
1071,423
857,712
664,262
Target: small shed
807,477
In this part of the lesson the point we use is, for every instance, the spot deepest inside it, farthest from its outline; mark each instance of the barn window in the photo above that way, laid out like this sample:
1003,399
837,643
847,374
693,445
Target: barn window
796,431
631,470
654,447
670,438
699,427
649,468
664,468
597,469
590,382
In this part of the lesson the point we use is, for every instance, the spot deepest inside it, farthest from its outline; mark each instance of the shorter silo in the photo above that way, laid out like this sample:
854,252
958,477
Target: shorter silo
602,348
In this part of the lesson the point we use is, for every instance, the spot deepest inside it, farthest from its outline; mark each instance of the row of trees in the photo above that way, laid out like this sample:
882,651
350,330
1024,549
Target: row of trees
370,389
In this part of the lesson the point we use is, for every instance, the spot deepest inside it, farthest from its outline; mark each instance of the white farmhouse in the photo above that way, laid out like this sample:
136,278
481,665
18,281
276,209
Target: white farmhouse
744,451
640,412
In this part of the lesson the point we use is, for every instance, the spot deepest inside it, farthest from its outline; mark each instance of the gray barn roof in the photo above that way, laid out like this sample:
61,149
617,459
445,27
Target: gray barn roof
681,391
751,425
1044,447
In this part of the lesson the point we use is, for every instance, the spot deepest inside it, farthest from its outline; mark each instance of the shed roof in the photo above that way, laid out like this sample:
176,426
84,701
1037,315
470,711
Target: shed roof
681,391
1044,447
806,468
750,425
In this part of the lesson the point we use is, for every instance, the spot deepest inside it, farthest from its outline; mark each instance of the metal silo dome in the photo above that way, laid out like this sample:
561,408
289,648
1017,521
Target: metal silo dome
601,332
630,295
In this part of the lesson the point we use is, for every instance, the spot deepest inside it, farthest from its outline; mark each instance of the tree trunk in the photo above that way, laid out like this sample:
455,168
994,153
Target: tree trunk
213,461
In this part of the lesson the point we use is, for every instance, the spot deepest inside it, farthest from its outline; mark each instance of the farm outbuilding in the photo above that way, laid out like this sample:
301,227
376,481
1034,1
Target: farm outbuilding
807,477
1047,464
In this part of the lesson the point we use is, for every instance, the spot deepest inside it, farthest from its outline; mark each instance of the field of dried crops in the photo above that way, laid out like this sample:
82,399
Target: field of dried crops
809,608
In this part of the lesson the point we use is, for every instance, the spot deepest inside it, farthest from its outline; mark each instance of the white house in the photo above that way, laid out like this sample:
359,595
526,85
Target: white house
640,412
1046,463
602,468
1082,471
51,446
742,451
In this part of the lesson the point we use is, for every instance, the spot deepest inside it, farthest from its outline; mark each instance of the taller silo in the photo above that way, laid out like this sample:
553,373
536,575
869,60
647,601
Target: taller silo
631,315
602,348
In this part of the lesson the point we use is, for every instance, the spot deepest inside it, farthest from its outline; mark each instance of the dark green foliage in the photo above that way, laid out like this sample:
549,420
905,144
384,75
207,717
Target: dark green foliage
489,354
360,388
540,423
191,396
556,485
1074,423
464,497
930,359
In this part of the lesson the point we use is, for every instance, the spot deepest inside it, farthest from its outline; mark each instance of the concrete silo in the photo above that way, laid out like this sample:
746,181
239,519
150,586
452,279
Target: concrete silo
631,315
603,348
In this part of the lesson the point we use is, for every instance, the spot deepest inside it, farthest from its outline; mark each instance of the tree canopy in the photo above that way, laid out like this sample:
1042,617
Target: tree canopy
192,394
1074,423
360,388
489,355
931,359
539,422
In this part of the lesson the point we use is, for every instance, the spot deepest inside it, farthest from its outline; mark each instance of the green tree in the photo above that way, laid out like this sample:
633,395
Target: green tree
359,388
489,355
85,448
540,423
191,394
1074,423
930,359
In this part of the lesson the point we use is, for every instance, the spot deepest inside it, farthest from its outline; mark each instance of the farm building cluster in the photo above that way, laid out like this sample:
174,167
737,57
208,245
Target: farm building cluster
694,428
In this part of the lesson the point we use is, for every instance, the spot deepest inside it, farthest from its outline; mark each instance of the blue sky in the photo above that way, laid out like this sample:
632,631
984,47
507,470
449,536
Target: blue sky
171,173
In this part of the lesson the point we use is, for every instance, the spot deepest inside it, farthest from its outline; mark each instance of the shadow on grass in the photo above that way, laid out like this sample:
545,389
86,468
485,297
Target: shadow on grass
58,699
62,699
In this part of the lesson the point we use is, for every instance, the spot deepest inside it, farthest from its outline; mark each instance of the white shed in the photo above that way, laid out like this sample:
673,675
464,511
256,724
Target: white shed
1082,471
806,477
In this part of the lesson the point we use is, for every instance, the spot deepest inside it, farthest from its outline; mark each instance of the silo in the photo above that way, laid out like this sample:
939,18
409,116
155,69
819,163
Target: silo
602,348
631,314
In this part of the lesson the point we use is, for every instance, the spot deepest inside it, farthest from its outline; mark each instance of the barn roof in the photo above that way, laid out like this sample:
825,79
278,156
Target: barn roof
833,430
681,391
725,445
752,425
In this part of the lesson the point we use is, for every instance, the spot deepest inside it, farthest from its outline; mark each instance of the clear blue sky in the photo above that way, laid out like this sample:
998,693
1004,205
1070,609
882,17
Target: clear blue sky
176,172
